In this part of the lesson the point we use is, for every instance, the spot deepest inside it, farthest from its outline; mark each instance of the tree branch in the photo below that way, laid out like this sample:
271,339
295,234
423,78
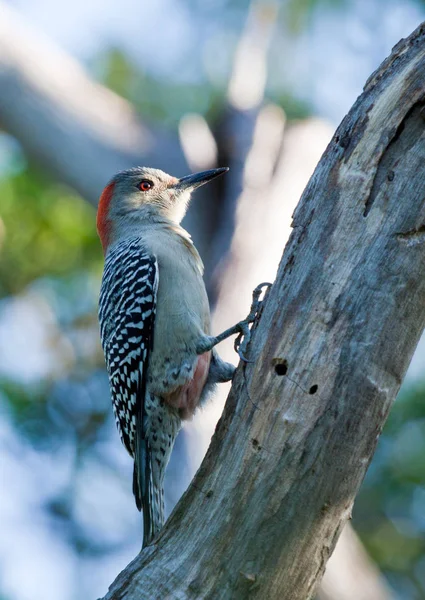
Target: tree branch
237,125
339,328
79,130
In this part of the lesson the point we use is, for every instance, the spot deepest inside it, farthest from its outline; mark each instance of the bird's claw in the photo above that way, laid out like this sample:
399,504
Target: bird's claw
244,336
242,341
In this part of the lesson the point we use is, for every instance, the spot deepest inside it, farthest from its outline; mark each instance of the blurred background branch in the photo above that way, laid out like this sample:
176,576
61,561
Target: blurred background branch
78,130
237,85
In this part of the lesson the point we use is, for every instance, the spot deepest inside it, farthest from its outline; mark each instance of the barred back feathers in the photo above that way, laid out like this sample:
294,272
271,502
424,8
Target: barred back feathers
126,314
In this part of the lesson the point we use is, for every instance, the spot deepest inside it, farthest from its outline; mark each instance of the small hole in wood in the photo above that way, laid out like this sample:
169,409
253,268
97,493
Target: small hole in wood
256,444
313,389
280,367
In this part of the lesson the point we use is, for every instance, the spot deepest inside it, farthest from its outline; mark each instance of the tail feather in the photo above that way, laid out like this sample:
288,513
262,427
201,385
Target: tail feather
140,472
148,495
156,431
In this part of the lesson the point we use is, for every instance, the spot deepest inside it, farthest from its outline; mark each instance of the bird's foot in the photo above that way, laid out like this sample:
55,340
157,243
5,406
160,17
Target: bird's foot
242,328
244,336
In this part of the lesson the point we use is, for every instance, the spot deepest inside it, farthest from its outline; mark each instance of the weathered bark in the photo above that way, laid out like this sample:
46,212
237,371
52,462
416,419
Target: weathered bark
336,336
261,215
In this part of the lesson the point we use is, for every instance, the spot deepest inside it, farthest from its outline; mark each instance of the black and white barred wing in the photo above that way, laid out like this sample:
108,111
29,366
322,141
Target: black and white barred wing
127,314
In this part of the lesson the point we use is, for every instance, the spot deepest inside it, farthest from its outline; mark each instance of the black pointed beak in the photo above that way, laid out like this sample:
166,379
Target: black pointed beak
197,179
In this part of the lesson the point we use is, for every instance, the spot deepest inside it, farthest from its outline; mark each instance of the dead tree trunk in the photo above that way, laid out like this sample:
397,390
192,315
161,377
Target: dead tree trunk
338,330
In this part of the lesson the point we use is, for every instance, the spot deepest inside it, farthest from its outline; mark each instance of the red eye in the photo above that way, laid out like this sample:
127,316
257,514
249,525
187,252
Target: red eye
145,185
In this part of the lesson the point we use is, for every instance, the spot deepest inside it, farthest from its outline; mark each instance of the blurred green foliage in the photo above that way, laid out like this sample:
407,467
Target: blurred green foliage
299,11
47,230
389,513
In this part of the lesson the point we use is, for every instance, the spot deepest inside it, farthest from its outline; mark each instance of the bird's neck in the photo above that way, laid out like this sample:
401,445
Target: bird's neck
154,231
138,224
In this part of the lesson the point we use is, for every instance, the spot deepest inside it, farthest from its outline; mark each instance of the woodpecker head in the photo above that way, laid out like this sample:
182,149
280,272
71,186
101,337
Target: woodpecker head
141,195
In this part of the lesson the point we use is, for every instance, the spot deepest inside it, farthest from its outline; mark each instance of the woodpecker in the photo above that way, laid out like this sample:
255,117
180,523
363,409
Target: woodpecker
155,323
